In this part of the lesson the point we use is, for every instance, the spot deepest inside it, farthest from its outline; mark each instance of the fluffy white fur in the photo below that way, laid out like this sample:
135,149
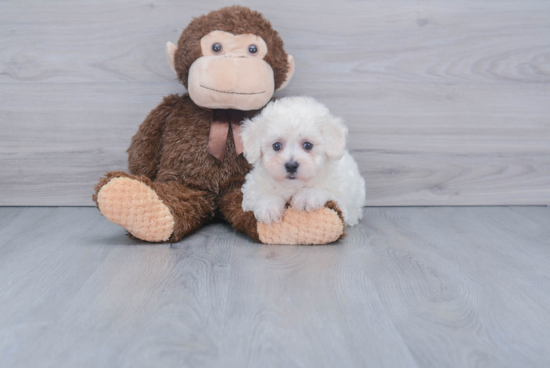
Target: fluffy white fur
325,172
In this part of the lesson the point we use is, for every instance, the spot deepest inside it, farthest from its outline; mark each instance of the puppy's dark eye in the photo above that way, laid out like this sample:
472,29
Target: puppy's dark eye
277,146
307,146
216,48
253,49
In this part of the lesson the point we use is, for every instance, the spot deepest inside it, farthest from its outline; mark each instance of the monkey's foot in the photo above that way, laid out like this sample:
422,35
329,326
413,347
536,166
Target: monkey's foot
137,208
322,226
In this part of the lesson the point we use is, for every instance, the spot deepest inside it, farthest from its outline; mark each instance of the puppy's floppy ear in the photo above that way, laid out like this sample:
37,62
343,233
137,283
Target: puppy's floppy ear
251,132
334,134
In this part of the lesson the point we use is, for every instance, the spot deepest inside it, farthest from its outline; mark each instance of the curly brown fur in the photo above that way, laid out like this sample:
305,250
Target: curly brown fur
237,20
169,154
232,211
190,208
181,139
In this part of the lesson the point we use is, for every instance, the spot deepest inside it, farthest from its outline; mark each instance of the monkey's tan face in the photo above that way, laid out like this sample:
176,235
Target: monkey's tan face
232,73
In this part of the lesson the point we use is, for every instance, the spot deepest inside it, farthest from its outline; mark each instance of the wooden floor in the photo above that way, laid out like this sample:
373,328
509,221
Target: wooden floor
409,287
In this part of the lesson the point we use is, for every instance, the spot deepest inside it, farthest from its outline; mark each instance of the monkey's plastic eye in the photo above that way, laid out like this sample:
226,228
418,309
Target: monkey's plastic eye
252,49
216,48
277,146
307,146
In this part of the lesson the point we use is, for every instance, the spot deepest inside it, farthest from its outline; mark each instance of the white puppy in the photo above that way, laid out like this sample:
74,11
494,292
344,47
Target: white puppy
298,150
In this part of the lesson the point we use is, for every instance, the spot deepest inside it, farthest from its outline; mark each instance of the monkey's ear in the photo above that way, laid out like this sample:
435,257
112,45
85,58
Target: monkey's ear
170,54
335,133
289,73
251,131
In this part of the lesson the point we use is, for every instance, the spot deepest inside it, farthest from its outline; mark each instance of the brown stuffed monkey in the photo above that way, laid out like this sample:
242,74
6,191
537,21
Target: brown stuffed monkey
186,159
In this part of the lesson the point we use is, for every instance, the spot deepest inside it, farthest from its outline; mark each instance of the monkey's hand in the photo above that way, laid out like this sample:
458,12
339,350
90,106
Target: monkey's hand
322,226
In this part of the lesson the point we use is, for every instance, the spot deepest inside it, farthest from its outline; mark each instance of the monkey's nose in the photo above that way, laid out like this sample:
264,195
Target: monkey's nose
291,167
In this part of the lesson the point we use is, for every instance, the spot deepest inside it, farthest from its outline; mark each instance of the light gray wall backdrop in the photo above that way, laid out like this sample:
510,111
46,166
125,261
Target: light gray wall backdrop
448,102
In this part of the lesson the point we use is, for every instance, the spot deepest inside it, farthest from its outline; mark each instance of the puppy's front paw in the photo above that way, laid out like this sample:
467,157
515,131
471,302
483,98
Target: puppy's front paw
309,200
269,213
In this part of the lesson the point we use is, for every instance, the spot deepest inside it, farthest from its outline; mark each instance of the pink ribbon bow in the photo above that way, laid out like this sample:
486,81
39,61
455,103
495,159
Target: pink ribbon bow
219,130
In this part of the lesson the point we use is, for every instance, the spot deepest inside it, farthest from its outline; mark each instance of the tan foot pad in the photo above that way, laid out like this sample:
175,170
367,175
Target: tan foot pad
299,227
137,208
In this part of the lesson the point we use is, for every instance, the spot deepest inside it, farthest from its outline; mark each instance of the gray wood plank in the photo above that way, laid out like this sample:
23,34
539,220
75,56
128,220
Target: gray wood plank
446,102
296,306
401,41
540,214
426,287
77,292
425,165
475,278
63,167
465,276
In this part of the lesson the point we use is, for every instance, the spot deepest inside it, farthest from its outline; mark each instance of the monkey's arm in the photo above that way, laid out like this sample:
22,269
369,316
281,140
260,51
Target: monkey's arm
144,151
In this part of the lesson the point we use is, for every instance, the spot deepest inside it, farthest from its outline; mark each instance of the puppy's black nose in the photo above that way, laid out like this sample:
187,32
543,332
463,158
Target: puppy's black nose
291,167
